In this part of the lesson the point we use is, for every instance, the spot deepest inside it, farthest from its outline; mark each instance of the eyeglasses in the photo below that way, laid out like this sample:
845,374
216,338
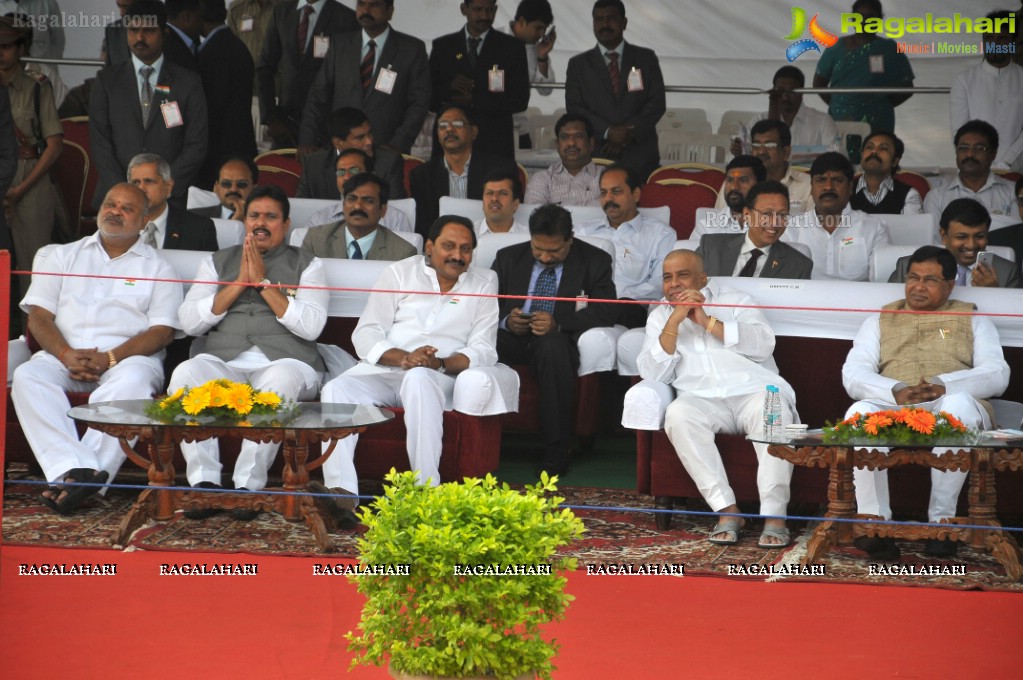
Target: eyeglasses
975,148
228,183
354,170
447,124
765,145
929,281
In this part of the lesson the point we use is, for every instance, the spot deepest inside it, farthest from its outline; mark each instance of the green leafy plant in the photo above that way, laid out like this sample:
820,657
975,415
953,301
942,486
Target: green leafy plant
442,619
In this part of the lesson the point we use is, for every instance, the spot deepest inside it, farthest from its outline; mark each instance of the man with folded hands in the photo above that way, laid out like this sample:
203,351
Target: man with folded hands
719,360
939,362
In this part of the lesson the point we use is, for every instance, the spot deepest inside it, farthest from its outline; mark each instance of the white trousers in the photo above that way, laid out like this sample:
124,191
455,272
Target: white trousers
872,485
290,378
38,391
692,422
422,392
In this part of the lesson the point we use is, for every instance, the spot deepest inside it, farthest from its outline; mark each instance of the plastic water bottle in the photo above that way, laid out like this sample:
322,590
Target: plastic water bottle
772,413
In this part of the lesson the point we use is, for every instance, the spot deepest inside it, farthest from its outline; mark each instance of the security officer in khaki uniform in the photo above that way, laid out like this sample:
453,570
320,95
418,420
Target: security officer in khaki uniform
30,202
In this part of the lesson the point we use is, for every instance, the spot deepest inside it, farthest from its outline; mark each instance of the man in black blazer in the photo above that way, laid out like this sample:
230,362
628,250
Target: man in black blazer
964,227
115,38
175,128
168,227
184,30
349,128
227,72
235,178
379,70
491,84
297,64
1012,236
459,171
625,117
544,333
758,252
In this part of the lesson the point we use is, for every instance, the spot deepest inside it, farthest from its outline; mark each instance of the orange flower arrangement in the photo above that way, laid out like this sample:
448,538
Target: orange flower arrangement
905,426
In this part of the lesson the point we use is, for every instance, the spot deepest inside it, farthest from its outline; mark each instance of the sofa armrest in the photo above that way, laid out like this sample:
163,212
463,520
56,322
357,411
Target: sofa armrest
597,349
630,344
486,391
645,404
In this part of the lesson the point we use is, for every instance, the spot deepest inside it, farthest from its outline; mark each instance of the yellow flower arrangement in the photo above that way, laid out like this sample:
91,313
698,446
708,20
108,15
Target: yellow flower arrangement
905,426
221,400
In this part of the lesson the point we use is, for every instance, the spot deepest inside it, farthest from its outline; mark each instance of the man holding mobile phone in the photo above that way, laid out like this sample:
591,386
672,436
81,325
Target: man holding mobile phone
964,228
534,25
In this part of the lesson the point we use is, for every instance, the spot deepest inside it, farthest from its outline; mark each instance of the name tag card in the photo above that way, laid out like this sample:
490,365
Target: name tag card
171,114
495,79
877,63
635,81
320,45
385,80
247,25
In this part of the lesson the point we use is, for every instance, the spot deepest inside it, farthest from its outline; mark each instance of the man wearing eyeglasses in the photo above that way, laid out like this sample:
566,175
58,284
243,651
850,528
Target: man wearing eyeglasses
167,226
772,144
841,240
235,180
360,236
941,362
976,145
758,252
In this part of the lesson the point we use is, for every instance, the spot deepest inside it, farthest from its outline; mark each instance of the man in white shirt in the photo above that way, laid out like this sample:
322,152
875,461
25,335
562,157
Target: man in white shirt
530,24
992,91
352,162
719,361
640,242
235,179
105,336
502,196
937,362
841,240
168,226
575,179
772,144
809,127
976,145
261,323
741,173
412,345
877,190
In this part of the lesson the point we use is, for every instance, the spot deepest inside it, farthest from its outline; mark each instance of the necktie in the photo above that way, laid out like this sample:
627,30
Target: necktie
614,72
961,274
545,287
366,67
356,251
474,45
149,235
303,28
147,94
751,265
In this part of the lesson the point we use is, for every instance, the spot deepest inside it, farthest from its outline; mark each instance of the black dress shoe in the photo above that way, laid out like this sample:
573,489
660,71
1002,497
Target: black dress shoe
941,547
884,549
244,515
552,469
203,513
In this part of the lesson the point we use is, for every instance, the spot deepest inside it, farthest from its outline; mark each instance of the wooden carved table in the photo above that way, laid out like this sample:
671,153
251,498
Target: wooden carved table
315,423
981,461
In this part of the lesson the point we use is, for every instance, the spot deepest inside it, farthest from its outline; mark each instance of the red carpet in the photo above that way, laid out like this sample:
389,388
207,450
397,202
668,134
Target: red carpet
140,625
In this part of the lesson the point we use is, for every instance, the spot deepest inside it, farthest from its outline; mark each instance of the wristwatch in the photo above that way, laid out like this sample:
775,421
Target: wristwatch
263,283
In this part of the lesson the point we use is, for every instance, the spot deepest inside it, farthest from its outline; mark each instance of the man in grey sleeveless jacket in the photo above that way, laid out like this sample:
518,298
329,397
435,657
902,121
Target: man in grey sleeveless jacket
261,326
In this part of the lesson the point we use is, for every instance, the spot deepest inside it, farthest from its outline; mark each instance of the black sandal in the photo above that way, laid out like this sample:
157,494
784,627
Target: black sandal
76,495
50,501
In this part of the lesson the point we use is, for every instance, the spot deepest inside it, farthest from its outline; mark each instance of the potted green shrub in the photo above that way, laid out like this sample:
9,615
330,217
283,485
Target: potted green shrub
469,605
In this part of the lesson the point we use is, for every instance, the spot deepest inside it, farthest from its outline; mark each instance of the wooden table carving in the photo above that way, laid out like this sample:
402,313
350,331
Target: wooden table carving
981,461
316,423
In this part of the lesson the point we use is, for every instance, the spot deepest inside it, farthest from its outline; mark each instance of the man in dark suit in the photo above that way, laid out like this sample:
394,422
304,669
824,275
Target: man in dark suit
486,73
758,252
235,179
174,127
297,64
349,128
168,227
227,72
1012,236
544,333
459,171
381,71
964,227
115,37
360,235
619,87
184,30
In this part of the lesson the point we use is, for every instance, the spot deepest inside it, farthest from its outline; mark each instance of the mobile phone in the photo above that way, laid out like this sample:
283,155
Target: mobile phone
547,35
987,257
524,315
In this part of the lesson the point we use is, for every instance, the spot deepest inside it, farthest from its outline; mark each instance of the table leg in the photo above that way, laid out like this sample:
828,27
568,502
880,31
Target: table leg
982,500
295,476
841,505
156,502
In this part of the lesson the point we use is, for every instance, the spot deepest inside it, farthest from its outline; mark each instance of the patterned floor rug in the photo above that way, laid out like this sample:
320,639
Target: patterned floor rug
620,536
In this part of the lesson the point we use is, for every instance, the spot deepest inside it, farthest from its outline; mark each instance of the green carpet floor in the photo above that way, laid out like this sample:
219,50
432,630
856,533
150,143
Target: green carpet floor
610,465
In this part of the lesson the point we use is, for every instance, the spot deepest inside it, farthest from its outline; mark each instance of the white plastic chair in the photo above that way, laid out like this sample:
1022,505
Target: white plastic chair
911,230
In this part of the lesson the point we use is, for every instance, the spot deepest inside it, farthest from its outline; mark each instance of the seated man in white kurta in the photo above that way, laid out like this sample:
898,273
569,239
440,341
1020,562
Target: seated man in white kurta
257,333
719,361
412,346
938,362
105,336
